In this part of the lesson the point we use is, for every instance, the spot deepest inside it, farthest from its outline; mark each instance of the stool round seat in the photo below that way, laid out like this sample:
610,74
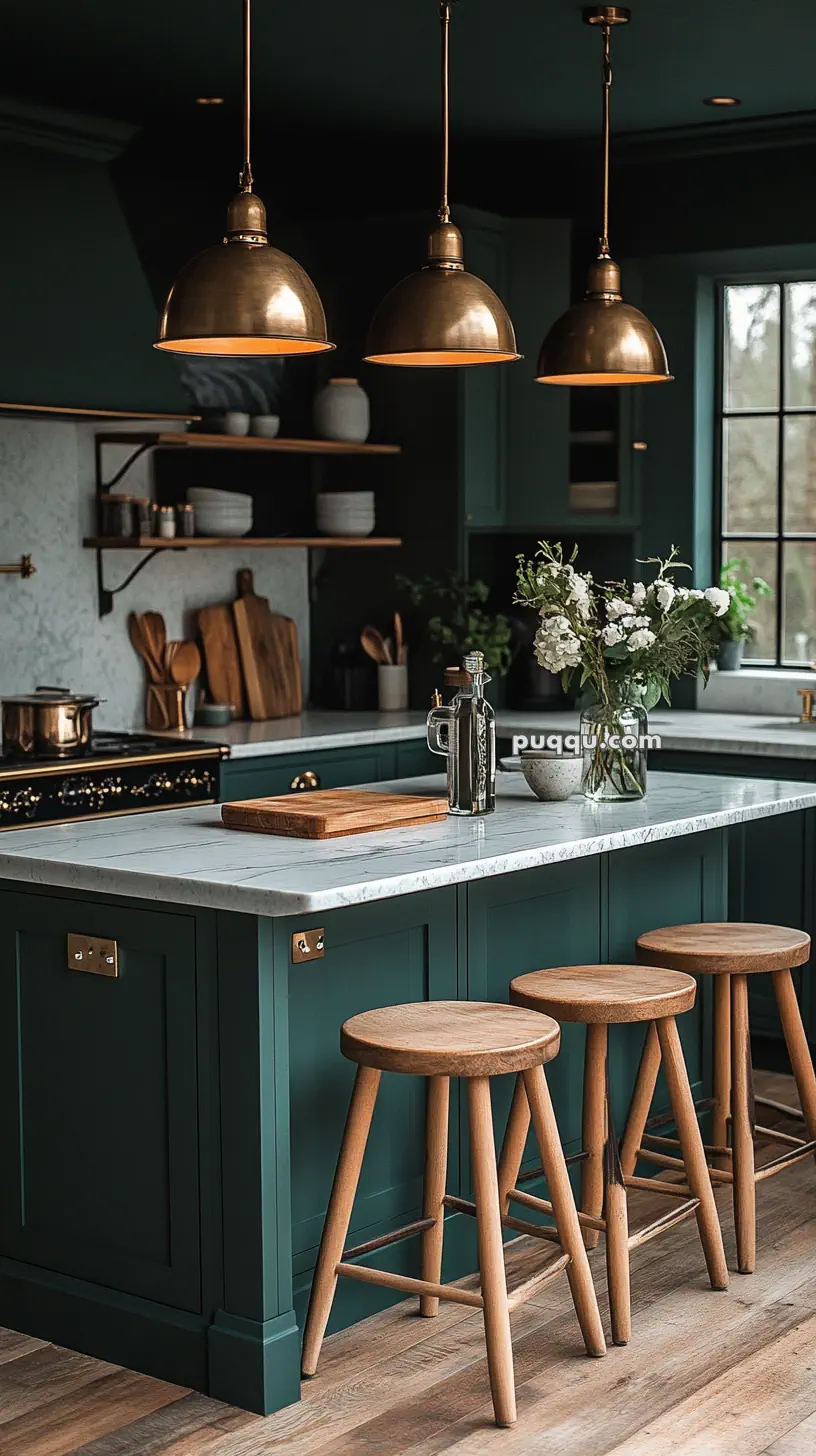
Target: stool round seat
605,994
450,1039
724,948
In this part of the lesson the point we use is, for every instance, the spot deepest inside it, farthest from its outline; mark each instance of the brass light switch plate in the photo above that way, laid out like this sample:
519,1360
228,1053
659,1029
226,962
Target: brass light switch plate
87,953
308,945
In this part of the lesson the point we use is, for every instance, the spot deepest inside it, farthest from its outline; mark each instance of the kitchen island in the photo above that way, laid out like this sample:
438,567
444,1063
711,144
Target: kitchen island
168,1136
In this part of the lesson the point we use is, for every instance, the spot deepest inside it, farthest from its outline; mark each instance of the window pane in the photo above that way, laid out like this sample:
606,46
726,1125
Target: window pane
759,558
799,605
800,344
750,467
800,473
752,346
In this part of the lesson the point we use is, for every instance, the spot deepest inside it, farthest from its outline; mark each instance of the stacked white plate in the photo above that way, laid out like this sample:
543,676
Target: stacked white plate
220,512
345,513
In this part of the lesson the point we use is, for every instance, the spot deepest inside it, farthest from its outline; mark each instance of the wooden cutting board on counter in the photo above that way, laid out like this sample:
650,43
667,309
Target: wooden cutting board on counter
329,813
217,630
270,657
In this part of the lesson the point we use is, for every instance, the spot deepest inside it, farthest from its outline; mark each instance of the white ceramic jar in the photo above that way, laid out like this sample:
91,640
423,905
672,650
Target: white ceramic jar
342,412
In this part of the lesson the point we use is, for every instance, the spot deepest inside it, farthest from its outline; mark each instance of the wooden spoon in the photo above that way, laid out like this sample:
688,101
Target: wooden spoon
374,644
399,640
155,634
185,663
142,648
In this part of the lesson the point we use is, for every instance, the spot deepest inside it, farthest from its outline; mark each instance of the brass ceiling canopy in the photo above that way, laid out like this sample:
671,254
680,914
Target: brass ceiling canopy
442,315
602,339
243,297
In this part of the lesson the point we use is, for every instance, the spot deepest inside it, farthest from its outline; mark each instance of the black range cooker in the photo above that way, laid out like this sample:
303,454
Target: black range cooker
120,773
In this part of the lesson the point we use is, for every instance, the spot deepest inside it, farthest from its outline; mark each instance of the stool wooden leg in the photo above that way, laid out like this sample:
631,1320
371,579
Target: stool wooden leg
514,1143
594,1127
491,1252
338,1215
742,1132
691,1145
641,1101
566,1216
722,1066
798,1049
616,1213
436,1169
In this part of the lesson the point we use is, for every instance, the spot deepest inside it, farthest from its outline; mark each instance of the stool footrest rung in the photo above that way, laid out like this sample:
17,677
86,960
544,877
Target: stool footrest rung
774,1135
410,1286
654,1185
665,1119
714,1149
662,1160
530,1201
418,1227
780,1107
652,1230
530,1173
785,1160
531,1286
519,1225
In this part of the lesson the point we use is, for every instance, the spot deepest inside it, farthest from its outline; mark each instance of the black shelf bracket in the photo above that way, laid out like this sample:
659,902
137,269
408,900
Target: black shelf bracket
106,594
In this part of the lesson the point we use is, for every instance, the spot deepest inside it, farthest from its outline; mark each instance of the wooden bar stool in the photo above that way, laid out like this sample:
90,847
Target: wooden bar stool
440,1040
601,996
731,953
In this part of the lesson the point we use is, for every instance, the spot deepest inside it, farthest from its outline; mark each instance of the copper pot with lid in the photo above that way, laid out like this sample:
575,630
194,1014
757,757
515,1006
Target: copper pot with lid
48,723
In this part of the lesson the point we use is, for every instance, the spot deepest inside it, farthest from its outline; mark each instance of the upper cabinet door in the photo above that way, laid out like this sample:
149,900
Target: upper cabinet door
537,414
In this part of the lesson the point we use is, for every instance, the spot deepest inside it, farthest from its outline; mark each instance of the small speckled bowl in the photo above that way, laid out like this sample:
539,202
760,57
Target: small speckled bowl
552,776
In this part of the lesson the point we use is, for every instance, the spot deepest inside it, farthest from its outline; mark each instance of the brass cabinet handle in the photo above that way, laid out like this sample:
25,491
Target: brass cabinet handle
305,781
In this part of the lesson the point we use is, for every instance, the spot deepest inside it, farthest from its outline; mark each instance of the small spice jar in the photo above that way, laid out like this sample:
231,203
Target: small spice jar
185,519
118,515
167,522
145,515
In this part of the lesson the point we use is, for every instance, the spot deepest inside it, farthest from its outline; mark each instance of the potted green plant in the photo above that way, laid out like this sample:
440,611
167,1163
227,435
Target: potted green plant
735,627
461,624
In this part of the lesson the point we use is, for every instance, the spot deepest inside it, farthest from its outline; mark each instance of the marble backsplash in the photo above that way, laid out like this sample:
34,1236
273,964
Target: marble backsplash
49,628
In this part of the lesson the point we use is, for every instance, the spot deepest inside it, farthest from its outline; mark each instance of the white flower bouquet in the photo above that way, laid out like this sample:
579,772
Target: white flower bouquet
628,642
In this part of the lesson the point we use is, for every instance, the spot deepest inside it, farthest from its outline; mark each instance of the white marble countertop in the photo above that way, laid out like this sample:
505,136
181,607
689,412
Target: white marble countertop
187,857
312,729
751,733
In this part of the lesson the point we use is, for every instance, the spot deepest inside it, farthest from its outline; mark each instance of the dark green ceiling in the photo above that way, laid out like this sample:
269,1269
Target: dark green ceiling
522,69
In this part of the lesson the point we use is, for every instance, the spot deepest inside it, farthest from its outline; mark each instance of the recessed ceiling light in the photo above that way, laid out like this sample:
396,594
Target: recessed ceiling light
721,101
209,101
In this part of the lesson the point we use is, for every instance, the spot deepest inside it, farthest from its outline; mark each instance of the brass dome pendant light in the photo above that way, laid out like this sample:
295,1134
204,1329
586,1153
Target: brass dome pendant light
243,297
603,340
442,316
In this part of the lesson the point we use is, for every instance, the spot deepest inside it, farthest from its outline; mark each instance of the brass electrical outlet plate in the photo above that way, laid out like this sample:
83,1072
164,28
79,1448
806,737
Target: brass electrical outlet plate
308,945
88,953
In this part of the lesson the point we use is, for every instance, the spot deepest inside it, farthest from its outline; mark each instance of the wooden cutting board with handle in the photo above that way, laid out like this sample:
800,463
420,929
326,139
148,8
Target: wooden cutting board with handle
217,629
270,658
329,813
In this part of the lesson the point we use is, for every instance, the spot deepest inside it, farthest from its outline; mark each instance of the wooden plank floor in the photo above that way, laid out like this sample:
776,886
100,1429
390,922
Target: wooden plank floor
728,1374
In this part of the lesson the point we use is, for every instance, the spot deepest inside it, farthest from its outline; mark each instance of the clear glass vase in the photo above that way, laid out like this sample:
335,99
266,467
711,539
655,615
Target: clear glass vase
614,750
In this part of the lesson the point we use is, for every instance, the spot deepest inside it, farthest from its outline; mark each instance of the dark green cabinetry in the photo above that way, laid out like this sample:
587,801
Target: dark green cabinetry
252,778
168,1138
772,869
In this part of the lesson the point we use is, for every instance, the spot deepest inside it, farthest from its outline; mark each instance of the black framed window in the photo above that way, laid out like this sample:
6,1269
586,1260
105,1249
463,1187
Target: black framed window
767,457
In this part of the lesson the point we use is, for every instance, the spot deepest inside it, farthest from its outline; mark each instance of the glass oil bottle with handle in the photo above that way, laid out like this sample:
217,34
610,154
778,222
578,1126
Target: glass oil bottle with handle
464,732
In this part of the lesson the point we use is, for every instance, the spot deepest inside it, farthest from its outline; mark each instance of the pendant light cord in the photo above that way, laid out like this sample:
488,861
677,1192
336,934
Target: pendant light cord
444,16
246,170
607,87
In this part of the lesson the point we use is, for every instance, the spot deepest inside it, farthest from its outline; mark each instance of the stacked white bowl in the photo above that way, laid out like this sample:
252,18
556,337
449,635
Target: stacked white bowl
220,512
345,513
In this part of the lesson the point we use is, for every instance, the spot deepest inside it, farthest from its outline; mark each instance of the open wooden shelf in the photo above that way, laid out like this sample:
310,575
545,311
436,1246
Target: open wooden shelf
232,543
77,412
199,441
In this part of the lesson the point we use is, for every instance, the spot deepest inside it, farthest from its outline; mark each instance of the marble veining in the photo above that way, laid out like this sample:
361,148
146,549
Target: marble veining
313,729
187,857
751,733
